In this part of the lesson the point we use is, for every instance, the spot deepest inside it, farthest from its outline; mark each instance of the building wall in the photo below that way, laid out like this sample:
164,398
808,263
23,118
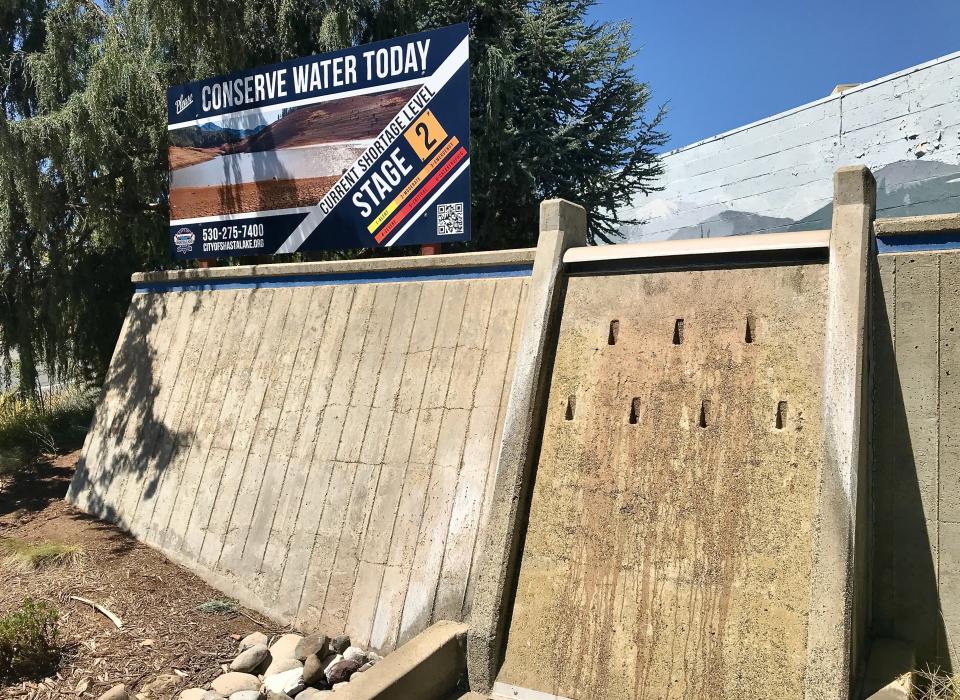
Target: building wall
776,174
322,448
915,368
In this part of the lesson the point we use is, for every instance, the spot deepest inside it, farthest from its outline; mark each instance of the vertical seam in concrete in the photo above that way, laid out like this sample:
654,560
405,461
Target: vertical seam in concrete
473,407
179,420
273,436
233,433
156,436
286,467
313,461
940,653
378,466
353,477
393,415
313,549
162,355
202,402
253,363
494,449
164,361
221,403
433,348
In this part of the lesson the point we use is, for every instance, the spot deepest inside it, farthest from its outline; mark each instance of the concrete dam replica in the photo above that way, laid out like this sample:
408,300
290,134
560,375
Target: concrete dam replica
684,469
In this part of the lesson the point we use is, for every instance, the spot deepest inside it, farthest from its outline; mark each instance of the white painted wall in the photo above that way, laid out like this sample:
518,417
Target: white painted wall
776,174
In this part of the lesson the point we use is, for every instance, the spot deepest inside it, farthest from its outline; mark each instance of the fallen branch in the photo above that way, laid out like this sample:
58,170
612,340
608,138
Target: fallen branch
99,608
252,619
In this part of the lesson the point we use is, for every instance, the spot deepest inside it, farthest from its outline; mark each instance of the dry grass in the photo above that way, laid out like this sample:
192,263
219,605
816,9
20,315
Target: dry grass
934,685
24,556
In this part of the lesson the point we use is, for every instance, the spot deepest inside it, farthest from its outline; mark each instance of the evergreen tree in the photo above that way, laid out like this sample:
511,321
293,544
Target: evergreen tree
556,112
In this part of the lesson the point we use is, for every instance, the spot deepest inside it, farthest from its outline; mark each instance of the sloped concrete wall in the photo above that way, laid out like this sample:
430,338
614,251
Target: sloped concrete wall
668,550
318,444
916,448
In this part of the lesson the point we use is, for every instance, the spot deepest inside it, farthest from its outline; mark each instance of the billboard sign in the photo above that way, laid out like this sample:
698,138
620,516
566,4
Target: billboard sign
366,147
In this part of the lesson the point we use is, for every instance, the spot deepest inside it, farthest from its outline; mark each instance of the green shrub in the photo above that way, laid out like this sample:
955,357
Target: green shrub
31,427
29,641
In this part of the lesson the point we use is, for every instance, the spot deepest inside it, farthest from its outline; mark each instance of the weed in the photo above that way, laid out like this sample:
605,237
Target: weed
29,641
25,556
935,685
31,427
218,606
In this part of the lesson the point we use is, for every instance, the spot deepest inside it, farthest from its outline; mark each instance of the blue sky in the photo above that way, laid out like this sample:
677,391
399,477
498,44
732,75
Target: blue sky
722,64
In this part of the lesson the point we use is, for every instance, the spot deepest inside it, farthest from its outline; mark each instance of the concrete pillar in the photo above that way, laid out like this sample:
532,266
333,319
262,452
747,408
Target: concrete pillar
838,577
562,226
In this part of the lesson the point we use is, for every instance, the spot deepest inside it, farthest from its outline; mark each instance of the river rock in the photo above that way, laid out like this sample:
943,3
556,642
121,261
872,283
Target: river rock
314,694
355,654
313,670
341,671
117,692
252,660
340,644
193,694
311,644
212,695
234,682
281,664
252,640
247,695
285,647
289,682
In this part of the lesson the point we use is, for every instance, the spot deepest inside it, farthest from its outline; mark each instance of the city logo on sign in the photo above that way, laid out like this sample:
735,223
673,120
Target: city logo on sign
184,240
183,102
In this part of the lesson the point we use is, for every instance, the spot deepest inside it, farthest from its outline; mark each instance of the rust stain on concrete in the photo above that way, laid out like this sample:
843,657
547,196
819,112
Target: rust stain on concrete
668,549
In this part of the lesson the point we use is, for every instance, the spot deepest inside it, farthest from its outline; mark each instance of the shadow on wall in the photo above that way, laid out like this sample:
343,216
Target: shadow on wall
905,595
119,464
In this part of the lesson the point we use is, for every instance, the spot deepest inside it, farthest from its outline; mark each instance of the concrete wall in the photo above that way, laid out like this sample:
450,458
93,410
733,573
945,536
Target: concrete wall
668,550
916,448
316,440
776,174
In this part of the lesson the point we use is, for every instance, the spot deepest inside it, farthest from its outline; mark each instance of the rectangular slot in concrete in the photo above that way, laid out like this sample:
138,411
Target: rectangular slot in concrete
678,332
781,415
614,332
635,410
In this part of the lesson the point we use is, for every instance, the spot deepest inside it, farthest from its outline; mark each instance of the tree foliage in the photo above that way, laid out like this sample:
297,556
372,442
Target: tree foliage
556,112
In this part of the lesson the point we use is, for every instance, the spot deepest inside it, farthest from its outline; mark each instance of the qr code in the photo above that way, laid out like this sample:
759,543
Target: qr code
450,219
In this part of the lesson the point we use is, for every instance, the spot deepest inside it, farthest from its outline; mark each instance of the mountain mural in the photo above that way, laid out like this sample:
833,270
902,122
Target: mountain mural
904,188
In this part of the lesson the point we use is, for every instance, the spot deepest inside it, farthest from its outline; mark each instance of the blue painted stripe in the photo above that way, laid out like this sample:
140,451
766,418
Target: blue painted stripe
918,242
279,281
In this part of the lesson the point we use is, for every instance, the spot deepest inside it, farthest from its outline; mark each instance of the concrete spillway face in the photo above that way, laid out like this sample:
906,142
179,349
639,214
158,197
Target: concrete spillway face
319,446
668,551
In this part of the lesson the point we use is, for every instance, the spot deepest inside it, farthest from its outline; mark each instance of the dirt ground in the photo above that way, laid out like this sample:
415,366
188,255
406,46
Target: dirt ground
163,633
190,202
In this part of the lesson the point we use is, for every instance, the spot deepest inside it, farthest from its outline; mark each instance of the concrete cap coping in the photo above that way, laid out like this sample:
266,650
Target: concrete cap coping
906,225
519,256
700,246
